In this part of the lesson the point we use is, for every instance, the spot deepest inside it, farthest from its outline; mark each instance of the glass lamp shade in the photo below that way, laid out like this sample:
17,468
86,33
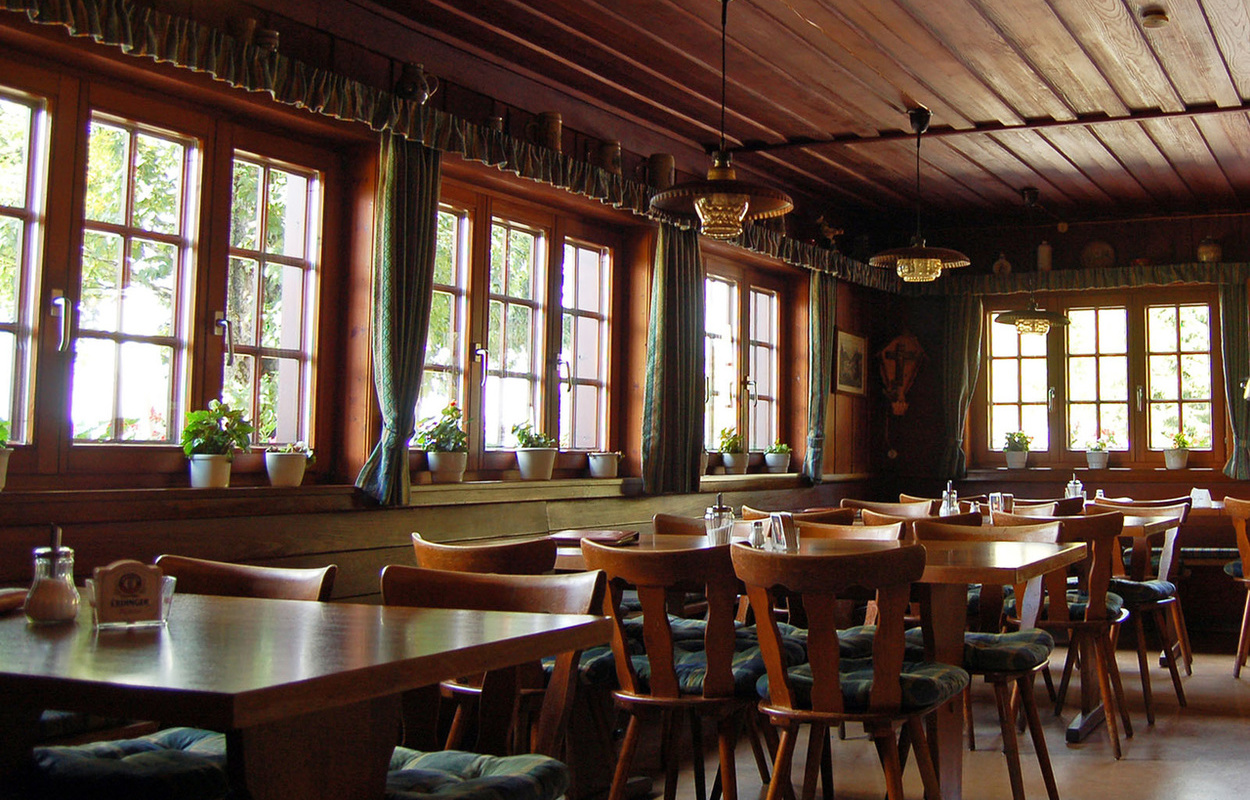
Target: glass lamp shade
1032,320
722,203
721,214
917,263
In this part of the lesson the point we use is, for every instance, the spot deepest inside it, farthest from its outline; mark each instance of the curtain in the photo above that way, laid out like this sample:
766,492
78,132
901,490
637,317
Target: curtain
672,412
822,304
961,363
1235,325
405,231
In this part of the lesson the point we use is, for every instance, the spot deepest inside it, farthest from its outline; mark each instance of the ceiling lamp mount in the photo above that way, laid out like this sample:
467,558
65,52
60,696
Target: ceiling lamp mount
1032,319
918,263
722,203
1154,17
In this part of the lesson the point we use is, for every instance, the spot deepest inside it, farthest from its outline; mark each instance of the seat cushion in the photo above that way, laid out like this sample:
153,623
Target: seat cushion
1137,593
924,684
182,763
470,776
1234,569
993,652
1078,601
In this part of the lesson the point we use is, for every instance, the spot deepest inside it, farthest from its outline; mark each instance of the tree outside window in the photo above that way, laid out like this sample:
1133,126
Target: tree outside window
442,377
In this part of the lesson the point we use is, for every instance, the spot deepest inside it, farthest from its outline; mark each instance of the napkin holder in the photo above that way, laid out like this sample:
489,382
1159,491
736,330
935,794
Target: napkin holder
130,593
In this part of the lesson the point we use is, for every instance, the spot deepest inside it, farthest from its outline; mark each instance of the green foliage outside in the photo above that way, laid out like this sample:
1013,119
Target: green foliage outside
217,429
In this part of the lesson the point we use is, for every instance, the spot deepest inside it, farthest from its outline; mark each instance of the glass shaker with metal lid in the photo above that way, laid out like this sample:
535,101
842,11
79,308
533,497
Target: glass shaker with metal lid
719,521
53,596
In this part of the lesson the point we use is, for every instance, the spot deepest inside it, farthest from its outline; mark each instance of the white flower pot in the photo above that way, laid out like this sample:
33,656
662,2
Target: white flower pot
1175,458
1016,459
5,452
286,469
603,465
735,463
447,467
1097,459
703,463
210,471
536,463
777,462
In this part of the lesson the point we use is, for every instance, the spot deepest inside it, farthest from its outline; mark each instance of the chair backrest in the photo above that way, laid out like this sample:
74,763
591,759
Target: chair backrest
821,581
835,516
201,576
942,530
935,504
1038,510
1099,532
655,574
887,532
1064,506
1238,512
675,525
909,510
568,593
1152,508
1175,506
909,533
526,557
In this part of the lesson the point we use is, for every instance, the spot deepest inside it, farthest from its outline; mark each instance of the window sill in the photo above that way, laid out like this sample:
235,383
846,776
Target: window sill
442,494
1050,474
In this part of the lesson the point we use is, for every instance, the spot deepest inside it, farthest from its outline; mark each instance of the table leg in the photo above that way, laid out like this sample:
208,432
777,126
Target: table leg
944,611
337,754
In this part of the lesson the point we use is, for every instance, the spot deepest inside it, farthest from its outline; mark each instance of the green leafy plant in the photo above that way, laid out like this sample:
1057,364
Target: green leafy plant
293,447
1180,441
730,441
4,433
526,436
1104,442
444,433
778,447
216,430
1017,441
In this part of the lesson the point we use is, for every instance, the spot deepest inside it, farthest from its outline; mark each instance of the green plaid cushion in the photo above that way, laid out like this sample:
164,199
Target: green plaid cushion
1078,601
183,763
993,652
1136,593
1234,569
924,684
457,775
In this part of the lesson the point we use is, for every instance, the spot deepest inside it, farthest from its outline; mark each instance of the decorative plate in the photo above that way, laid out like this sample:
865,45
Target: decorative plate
1097,255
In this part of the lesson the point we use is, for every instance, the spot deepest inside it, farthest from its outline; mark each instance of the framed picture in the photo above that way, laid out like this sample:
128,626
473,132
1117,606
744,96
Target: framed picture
850,364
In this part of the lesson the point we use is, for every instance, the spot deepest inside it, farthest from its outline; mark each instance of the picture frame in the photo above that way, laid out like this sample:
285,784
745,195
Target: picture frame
850,365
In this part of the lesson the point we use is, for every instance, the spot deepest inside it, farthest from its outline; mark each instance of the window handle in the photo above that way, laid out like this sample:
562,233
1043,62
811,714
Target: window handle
483,357
227,328
1141,395
60,308
563,366
1050,398
751,391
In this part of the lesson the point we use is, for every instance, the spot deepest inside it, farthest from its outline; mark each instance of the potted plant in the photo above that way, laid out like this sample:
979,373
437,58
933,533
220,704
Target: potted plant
777,456
5,451
604,464
1016,450
732,453
1177,456
285,463
209,439
535,453
1098,451
446,444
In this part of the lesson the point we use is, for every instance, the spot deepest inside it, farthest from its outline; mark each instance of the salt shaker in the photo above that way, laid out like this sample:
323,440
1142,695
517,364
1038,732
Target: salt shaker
719,521
757,534
950,501
53,596
1075,488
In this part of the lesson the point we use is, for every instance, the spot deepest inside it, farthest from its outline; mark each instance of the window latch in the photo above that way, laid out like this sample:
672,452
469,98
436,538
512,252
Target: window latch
563,366
1050,398
480,355
1141,395
227,328
60,308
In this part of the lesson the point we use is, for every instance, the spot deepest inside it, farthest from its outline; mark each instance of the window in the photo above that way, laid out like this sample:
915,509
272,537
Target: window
442,378
271,289
23,173
1139,370
743,372
585,297
130,352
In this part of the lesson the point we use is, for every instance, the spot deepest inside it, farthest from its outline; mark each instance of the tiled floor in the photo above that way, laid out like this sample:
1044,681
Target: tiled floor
1201,751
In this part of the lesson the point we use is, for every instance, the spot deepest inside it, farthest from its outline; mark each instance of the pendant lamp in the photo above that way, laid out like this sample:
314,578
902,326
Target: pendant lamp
1032,319
917,263
722,202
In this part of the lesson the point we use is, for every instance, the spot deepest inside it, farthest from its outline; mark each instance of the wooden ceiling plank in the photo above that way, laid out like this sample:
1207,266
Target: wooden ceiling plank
1005,165
1100,165
938,187
1187,50
1187,152
1035,150
1133,148
1229,140
975,40
1229,21
1112,39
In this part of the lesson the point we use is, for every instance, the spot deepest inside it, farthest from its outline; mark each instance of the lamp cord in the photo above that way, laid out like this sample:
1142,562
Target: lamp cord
724,21
918,134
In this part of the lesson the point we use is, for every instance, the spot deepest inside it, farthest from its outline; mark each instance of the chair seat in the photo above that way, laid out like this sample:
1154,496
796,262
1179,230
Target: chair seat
1016,651
457,775
1138,593
925,684
1234,569
182,763
1078,601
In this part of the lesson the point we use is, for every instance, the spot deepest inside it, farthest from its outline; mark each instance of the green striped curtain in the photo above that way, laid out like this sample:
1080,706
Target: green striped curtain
672,413
1236,344
822,304
962,362
405,232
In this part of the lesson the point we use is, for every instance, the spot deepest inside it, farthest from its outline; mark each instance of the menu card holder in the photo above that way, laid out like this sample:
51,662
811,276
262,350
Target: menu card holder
130,593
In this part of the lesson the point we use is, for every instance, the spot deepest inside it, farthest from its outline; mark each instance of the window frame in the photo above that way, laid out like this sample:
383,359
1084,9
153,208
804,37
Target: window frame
1138,454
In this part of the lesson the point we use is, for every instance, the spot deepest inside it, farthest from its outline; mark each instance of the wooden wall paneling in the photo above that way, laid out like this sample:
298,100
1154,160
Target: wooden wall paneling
358,430
796,399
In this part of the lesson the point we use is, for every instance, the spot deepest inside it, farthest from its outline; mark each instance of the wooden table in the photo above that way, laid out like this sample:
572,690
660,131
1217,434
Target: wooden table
949,568
308,694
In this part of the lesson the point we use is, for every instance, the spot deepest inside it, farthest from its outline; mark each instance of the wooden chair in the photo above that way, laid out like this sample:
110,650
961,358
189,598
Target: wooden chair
670,683
675,525
935,503
201,576
526,557
1239,511
834,516
1064,506
1038,510
889,532
505,727
1007,660
923,508
875,518
1089,620
824,692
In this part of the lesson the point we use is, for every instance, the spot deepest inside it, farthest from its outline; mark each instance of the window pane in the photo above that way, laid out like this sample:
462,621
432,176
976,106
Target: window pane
245,205
1082,379
1165,420
1030,346
590,275
1112,330
1082,331
1115,422
286,215
107,167
520,331
8,362
15,147
157,184
587,365
1198,425
1196,377
586,425
279,413
95,387
1195,329
1033,387
239,379
1113,378
148,301
101,281
10,261
1082,425
1005,381
1003,419
440,345
241,293
437,391
1161,329
1163,372
721,358
146,392
1033,421
283,295
1004,345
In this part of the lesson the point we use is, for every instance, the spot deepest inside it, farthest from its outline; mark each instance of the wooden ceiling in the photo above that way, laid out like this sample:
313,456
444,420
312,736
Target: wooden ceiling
1108,118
